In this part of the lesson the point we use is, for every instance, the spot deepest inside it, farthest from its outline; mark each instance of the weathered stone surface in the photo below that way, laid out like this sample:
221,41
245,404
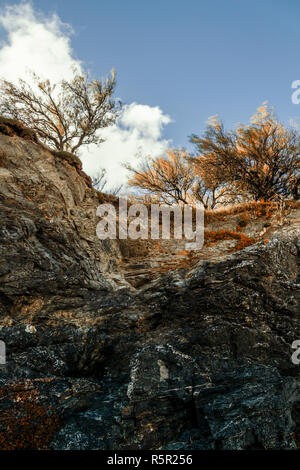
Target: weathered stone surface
194,357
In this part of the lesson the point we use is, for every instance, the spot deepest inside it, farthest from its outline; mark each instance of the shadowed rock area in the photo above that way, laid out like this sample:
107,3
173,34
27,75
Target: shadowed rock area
144,347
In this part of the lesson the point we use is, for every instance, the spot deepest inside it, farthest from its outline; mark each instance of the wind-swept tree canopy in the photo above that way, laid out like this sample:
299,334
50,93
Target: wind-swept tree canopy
261,159
169,178
65,115
172,179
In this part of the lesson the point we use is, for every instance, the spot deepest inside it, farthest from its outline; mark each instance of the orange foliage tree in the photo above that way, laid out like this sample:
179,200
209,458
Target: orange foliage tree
260,159
172,178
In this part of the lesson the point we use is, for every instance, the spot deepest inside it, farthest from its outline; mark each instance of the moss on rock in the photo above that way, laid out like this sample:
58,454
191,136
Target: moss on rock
69,157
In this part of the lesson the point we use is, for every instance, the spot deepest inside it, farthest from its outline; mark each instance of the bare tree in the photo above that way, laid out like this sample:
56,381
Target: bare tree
65,115
115,190
99,182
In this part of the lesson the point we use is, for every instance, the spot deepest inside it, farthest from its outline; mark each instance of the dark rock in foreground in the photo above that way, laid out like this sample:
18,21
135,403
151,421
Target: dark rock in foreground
199,359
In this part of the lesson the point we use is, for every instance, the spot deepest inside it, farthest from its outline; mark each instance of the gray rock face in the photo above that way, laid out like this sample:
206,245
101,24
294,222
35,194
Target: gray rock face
199,359
48,218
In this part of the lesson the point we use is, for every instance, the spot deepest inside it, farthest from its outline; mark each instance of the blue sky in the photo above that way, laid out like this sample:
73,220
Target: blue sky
192,58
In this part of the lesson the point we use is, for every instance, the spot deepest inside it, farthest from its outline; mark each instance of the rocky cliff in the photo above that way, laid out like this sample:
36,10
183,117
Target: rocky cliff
108,348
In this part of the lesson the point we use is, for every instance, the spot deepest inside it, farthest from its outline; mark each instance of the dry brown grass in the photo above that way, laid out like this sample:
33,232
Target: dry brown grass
259,209
246,214
12,127
242,241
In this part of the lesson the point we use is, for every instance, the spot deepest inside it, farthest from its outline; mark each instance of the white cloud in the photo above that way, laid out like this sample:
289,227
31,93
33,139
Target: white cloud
42,44
34,42
138,131
148,120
